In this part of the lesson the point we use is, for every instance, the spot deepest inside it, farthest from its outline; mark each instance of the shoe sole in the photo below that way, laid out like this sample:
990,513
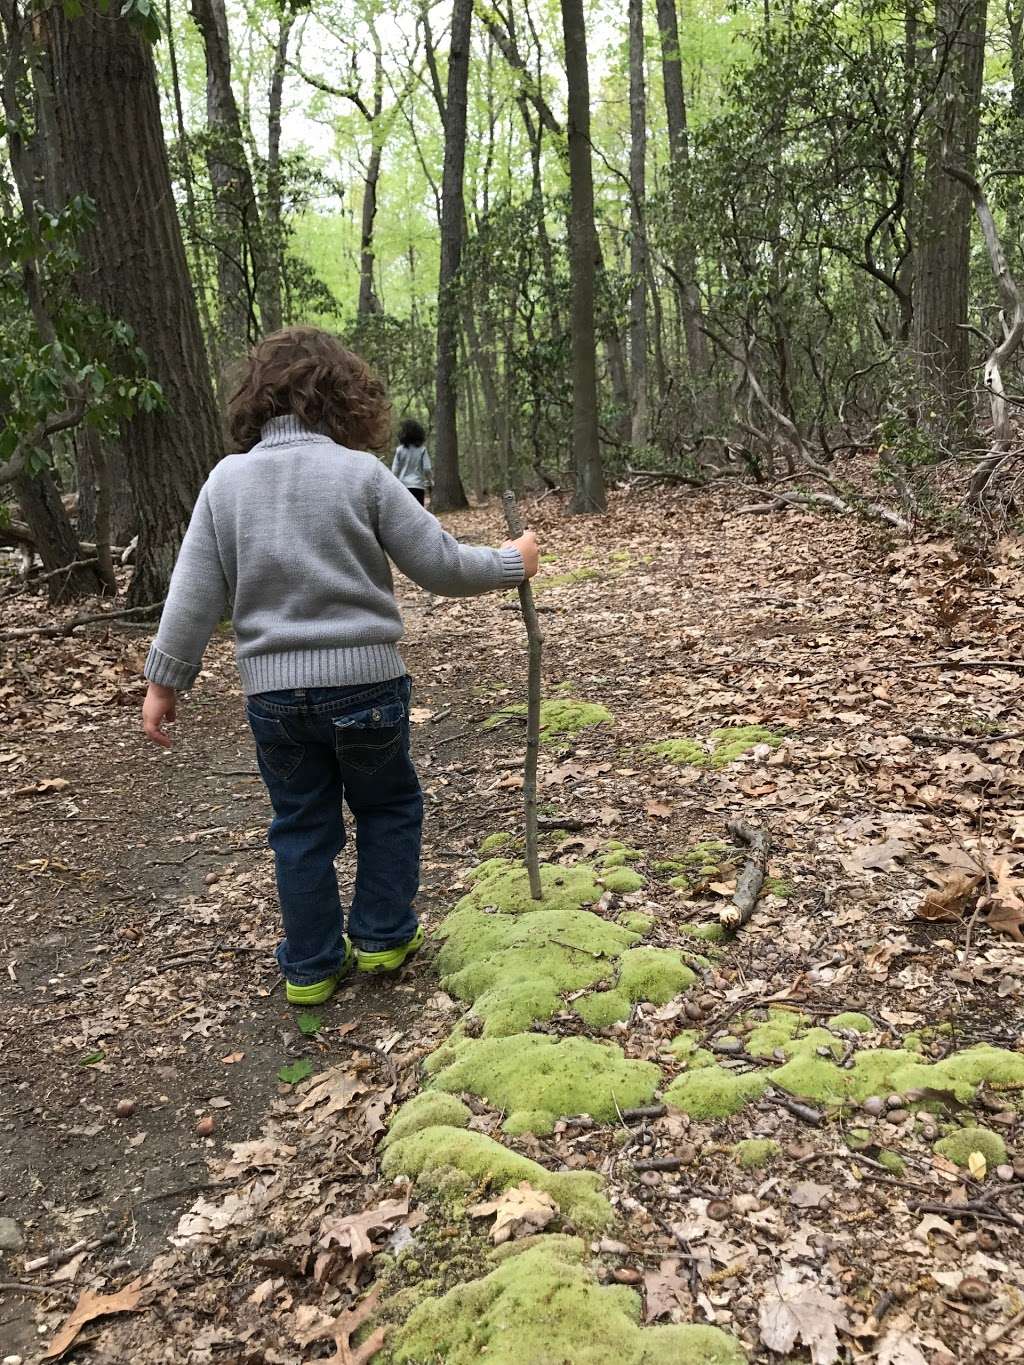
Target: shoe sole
376,964
320,991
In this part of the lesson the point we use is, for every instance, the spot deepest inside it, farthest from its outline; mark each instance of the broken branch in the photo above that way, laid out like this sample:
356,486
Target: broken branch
751,879
535,642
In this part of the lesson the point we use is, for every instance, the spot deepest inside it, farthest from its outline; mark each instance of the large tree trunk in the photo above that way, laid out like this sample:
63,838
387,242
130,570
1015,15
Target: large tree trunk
241,266
685,266
589,495
943,207
274,235
134,268
448,490
637,228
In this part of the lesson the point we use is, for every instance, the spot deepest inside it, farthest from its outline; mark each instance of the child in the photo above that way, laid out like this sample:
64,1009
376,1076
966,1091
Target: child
411,464
297,531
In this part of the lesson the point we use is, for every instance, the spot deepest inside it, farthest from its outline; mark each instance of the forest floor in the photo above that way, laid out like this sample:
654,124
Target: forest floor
201,1165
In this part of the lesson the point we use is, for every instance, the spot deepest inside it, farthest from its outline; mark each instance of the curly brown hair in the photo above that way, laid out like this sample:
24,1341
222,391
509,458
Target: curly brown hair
307,373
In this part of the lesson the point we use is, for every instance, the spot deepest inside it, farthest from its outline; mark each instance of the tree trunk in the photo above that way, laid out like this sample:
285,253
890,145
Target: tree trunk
134,268
448,490
944,209
589,495
685,266
637,228
274,237
241,268
56,543
368,301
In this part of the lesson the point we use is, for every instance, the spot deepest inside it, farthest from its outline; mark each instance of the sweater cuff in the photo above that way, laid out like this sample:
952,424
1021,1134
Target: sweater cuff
167,671
513,570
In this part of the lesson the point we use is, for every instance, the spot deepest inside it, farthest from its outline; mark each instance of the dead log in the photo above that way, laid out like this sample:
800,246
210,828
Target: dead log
751,879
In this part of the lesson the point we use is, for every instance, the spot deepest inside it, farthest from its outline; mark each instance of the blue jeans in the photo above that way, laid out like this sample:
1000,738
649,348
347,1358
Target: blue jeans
316,746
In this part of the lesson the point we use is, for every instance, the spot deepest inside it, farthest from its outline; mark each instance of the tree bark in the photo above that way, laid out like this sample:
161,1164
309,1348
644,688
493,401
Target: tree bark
589,495
685,267
944,211
241,266
448,490
56,543
273,312
134,268
637,228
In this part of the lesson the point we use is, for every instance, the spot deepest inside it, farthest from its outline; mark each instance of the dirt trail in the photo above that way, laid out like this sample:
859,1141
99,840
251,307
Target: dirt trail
137,925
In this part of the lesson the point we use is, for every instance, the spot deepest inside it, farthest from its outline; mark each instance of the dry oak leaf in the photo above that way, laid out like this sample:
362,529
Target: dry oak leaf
89,1307
948,901
897,1348
335,1088
352,1232
521,1212
1005,910
344,1328
875,857
665,1289
796,1310
658,809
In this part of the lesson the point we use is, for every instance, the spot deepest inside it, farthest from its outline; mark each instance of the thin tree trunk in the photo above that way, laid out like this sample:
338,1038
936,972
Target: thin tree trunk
134,268
448,490
589,495
242,272
685,266
939,341
273,229
637,227
368,301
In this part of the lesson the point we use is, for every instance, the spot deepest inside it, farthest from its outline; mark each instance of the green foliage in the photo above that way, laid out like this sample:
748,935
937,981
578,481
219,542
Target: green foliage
294,1072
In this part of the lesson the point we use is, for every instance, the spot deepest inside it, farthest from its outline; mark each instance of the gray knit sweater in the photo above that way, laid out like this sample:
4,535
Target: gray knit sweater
297,533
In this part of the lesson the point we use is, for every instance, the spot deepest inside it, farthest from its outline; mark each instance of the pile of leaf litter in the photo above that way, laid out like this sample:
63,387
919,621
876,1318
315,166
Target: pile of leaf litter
876,682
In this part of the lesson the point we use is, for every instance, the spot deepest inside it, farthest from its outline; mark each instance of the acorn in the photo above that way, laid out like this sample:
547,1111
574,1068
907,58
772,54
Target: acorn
626,1275
206,1125
974,1290
124,1109
874,1105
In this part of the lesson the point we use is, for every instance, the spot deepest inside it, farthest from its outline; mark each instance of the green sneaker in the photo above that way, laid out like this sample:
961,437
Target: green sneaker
391,958
320,991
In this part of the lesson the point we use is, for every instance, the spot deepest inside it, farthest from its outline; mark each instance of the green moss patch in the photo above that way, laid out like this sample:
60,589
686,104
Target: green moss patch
711,1092
563,580
500,884
618,855
726,745
892,1161
636,921
543,1304
654,974
860,1023
427,1154
958,1146
428,1109
493,841
545,1078
601,1009
752,1153
622,880
558,716
686,1047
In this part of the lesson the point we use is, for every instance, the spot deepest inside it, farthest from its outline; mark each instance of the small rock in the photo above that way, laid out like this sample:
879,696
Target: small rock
692,1010
874,1105
12,1360
894,1101
10,1235
728,1046
898,1115
1005,1172
211,878
625,1274
974,1290
125,1109
612,1248
746,1203
206,1125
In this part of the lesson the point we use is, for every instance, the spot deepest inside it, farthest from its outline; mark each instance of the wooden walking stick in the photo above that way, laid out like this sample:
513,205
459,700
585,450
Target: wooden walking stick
534,640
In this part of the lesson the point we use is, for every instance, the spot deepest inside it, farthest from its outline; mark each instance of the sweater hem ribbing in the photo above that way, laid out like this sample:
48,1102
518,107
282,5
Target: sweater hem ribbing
338,667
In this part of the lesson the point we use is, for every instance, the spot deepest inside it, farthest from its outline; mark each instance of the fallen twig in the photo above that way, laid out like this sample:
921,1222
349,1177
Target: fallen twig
535,642
64,1254
973,1209
69,627
968,741
804,1112
751,879
659,1163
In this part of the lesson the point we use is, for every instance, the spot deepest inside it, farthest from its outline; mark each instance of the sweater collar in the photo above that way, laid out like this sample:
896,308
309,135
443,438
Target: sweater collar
288,431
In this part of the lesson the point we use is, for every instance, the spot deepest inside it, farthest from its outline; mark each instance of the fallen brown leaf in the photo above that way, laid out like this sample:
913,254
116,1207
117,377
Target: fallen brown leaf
946,904
665,1289
90,1306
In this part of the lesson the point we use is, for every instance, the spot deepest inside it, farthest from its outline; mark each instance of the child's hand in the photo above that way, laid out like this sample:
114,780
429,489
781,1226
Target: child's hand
530,550
159,709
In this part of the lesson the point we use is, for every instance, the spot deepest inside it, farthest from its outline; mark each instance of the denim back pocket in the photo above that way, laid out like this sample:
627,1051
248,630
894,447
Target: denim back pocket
276,748
368,739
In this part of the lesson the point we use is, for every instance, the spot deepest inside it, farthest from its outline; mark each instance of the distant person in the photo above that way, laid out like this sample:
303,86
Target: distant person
411,464
296,531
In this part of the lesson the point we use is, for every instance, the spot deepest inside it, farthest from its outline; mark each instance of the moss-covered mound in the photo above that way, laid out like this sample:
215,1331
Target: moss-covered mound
558,716
711,1092
428,1109
726,745
433,1153
752,1153
563,580
501,884
959,1146
538,1079
541,1305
